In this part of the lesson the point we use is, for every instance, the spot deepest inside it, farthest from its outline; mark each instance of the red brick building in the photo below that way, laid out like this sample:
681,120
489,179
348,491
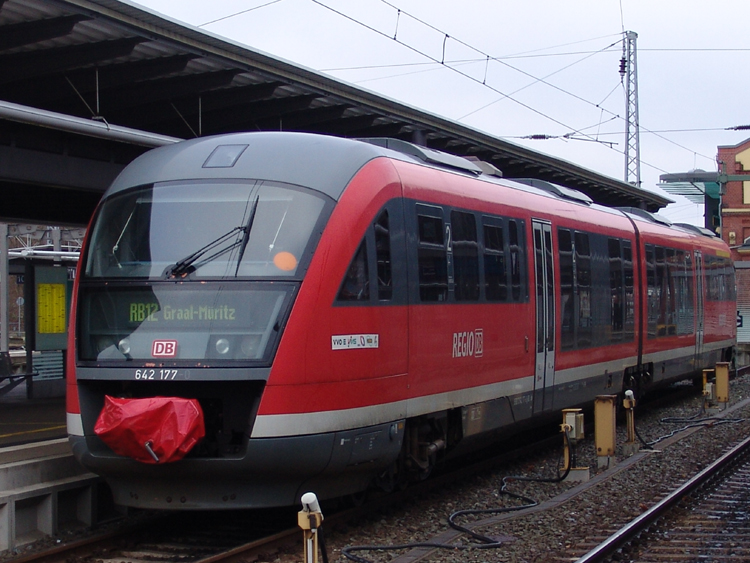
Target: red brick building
735,230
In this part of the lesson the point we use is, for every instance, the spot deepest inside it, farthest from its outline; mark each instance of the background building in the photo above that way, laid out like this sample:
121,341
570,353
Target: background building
735,230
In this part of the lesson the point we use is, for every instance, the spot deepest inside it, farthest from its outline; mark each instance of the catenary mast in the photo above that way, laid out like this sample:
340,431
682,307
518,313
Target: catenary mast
629,76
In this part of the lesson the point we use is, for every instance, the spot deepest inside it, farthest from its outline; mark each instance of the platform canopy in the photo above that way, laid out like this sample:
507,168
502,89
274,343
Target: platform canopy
87,85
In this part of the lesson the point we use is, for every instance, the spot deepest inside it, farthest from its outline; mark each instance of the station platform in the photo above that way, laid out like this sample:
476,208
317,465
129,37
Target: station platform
43,489
24,420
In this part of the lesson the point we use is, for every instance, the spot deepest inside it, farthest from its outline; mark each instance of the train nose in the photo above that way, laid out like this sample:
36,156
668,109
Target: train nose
151,430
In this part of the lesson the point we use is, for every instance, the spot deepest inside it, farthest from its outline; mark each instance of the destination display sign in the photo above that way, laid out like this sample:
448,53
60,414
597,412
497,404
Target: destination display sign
180,322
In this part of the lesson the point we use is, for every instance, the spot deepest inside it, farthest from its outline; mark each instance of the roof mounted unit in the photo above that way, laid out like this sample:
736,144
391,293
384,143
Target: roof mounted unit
696,229
487,168
555,189
643,214
430,156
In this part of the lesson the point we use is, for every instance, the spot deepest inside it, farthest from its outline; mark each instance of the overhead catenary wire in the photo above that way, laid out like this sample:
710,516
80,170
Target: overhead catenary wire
235,14
443,63
430,57
572,130
543,81
510,57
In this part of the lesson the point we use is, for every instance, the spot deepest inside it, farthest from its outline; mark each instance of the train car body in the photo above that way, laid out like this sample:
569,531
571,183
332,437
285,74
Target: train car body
347,312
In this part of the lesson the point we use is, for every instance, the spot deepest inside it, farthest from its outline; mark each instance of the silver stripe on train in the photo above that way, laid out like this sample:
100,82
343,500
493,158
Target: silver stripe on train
273,426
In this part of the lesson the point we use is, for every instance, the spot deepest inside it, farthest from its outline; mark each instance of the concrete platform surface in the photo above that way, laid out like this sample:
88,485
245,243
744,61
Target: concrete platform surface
24,421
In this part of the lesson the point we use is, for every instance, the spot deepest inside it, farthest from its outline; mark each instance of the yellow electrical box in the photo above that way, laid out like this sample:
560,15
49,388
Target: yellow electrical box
573,419
722,382
605,425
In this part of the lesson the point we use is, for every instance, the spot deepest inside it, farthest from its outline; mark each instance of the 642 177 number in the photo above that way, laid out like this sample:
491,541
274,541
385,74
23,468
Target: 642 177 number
155,374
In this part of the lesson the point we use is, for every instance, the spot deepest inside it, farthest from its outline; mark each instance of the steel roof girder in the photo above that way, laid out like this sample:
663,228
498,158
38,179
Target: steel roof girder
248,117
29,64
27,33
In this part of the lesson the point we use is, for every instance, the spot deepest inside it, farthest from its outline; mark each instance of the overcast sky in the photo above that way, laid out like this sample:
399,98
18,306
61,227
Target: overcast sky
515,69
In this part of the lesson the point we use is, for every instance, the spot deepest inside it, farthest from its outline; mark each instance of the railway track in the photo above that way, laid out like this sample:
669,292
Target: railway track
575,521
209,537
178,538
243,535
706,519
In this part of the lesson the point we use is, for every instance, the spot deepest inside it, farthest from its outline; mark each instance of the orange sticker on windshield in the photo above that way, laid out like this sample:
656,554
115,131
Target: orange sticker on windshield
285,261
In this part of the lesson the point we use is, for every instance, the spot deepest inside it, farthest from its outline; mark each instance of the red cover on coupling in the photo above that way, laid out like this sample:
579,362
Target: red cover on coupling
151,430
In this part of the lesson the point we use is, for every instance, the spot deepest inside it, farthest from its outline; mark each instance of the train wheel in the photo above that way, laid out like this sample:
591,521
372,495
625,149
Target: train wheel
394,477
425,472
386,481
355,500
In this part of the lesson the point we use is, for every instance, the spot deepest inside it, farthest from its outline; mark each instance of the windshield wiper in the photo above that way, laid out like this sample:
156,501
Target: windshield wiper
188,264
185,266
116,246
246,234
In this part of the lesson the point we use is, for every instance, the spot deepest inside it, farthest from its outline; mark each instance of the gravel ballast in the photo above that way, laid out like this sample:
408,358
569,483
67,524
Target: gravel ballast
565,531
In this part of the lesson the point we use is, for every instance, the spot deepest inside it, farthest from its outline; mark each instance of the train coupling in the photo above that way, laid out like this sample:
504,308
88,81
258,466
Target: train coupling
435,447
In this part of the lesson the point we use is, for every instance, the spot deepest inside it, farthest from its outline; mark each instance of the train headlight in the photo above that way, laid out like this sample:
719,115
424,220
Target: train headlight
249,346
222,346
124,346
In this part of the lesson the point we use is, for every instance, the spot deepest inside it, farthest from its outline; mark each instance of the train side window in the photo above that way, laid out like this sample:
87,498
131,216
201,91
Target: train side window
707,277
653,292
431,255
567,288
627,264
714,283
616,288
383,256
465,256
662,292
356,285
495,275
726,292
583,283
682,275
729,294
720,279
731,282
519,290
671,269
690,278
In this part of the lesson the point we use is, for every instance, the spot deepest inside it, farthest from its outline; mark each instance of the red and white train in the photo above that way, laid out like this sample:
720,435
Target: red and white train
341,311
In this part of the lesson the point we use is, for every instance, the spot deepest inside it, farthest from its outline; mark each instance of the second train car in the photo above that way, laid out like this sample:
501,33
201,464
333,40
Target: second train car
344,312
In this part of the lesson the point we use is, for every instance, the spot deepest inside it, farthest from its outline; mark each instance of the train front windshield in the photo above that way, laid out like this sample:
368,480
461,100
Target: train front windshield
186,272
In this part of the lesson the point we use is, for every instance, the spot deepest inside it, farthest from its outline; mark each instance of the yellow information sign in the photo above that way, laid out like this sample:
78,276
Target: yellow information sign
51,308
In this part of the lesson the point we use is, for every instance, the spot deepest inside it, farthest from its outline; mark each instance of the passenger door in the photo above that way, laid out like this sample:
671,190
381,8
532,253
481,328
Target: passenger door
544,377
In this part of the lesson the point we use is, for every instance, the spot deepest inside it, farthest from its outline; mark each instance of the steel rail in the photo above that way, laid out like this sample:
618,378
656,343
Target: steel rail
642,522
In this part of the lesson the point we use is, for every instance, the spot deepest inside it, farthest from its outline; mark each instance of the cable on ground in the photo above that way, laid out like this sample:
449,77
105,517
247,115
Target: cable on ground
482,541
687,422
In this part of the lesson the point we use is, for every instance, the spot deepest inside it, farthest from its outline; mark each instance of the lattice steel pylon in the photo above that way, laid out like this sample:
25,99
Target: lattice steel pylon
629,75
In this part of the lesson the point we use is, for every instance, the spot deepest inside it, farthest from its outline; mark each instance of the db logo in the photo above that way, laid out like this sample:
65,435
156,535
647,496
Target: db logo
164,348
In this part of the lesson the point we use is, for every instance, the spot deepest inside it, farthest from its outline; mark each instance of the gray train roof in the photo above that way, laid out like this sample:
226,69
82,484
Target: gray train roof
323,163
129,67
